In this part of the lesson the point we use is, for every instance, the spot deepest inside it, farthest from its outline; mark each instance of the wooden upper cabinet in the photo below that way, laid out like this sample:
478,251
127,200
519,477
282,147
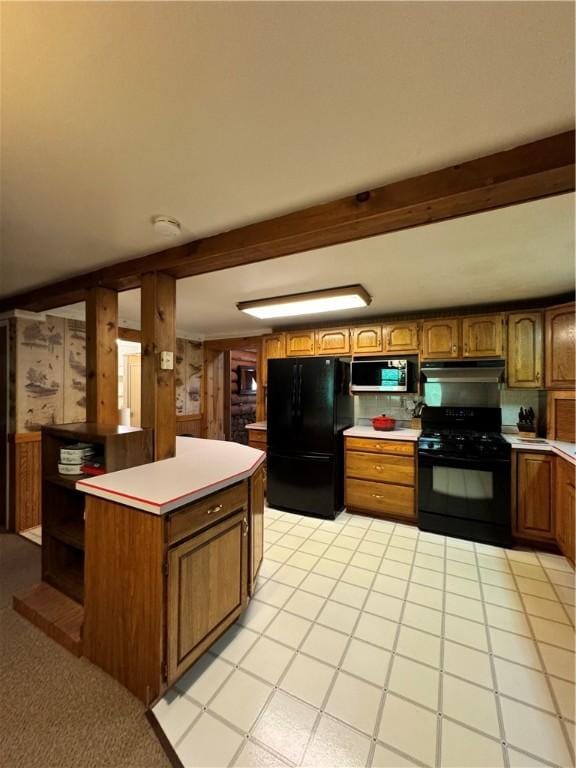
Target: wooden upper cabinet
440,339
333,341
560,347
273,346
400,337
525,350
299,343
534,514
483,336
367,340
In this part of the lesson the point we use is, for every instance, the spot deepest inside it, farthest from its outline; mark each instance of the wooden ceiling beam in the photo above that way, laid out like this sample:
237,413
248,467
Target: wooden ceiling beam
528,172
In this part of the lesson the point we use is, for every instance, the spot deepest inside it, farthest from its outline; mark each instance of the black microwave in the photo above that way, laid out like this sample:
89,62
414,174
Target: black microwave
380,375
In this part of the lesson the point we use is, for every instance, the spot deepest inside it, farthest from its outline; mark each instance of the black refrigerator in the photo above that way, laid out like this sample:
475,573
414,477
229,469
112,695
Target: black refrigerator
308,407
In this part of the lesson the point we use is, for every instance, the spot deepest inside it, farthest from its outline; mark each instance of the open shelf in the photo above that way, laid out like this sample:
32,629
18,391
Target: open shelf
66,481
70,532
63,505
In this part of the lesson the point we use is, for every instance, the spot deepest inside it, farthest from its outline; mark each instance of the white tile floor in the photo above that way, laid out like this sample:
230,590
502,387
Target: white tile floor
369,643
33,534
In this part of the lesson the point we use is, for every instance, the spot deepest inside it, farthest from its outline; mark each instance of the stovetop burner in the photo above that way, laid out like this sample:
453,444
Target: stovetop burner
466,432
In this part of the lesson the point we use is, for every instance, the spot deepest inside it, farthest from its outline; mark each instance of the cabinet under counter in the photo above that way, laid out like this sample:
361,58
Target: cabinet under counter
161,587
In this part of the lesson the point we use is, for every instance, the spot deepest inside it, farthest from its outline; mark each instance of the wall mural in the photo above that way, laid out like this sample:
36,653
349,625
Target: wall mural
188,368
50,372
49,377
75,372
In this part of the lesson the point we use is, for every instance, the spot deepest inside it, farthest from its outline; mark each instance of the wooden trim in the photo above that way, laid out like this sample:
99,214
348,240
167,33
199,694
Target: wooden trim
130,334
191,417
528,172
24,480
226,345
537,304
25,437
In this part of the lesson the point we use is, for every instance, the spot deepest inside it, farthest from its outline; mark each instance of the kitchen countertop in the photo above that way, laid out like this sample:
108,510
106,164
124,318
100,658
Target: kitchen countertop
560,448
199,468
257,425
395,434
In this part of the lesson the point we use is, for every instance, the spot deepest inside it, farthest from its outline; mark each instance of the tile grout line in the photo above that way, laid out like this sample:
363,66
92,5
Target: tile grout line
389,531
345,650
399,625
559,716
440,702
297,651
495,690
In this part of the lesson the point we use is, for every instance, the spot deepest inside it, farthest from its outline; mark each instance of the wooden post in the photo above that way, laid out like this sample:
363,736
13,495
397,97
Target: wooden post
158,314
101,356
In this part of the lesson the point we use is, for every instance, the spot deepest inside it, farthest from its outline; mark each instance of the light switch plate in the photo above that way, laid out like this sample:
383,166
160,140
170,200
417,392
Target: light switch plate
166,361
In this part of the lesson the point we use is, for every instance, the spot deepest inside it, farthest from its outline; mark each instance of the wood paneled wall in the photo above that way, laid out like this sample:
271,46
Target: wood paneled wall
25,480
189,425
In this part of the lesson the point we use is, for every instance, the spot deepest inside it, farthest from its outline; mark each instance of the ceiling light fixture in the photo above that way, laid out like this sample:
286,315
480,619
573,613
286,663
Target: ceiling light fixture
166,227
310,303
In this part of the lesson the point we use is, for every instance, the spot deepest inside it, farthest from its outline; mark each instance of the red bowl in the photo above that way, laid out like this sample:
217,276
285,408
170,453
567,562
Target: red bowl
383,423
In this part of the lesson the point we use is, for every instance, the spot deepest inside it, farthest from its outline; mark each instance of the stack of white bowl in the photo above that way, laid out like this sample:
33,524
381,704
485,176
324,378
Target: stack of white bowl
72,458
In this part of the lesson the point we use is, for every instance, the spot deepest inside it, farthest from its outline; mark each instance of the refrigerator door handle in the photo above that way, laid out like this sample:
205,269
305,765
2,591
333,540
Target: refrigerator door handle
294,391
300,392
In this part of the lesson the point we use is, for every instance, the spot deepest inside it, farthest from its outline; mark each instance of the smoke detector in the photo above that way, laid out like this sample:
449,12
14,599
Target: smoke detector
166,227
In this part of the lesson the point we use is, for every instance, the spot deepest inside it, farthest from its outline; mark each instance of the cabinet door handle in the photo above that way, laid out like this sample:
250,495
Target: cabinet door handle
245,527
378,467
453,347
537,375
212,510
465,346
378,495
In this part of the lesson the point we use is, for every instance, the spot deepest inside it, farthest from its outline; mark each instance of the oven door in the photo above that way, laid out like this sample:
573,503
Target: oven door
465,497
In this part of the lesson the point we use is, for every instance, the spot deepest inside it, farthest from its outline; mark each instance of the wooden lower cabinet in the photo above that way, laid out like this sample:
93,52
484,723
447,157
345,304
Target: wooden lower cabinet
160,589
257,487
534,517
207,589
565,507
258,438
380,477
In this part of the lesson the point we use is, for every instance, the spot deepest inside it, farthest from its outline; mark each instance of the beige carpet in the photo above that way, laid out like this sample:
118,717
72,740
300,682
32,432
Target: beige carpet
57,711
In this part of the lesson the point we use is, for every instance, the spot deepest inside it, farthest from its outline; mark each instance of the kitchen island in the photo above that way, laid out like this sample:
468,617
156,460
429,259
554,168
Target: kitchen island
171,553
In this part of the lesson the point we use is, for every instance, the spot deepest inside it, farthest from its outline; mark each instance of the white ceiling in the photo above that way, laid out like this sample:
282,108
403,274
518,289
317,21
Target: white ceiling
221,114
522,252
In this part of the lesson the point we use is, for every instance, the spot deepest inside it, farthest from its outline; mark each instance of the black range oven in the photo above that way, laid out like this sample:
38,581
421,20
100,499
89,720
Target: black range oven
464,470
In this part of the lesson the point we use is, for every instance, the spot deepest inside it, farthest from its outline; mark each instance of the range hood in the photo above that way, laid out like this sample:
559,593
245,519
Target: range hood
464,371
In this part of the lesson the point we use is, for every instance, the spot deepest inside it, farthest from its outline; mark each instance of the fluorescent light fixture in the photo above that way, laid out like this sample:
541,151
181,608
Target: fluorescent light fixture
311,303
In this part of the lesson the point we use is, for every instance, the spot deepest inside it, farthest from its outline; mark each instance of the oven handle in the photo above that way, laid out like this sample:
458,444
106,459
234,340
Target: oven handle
431,458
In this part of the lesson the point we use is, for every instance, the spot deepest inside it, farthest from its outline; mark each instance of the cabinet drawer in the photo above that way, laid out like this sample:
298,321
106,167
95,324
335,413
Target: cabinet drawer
382,468
257,436
203,513
380,498
375,445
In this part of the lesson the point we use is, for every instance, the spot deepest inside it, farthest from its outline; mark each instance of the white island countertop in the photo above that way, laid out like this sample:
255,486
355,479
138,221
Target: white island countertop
394,434
199,468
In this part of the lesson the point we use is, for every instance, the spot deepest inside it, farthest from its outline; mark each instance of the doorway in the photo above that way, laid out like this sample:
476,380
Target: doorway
231,394
129,382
